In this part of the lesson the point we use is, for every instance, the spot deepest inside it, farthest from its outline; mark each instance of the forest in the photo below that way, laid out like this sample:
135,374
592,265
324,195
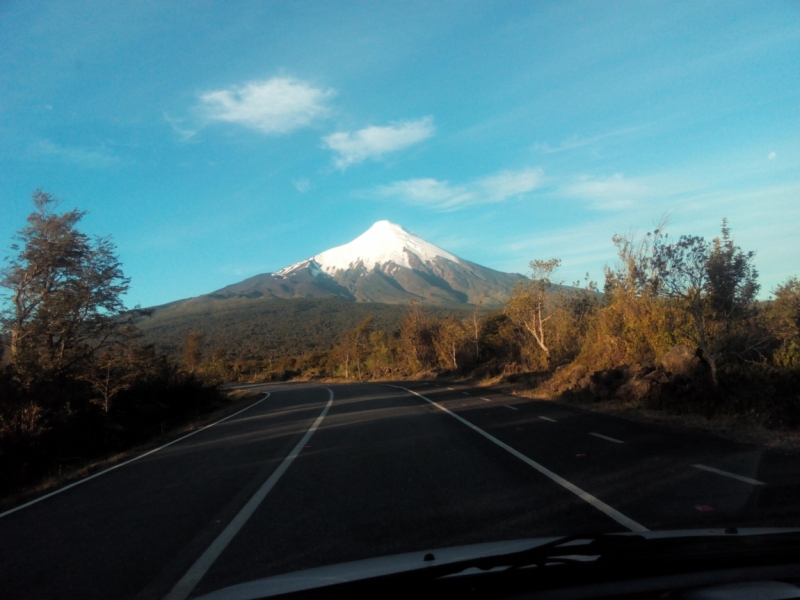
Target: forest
679,325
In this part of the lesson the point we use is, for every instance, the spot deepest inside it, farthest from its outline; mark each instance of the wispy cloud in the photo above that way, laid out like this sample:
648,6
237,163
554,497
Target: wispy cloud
275,106
92,158
302,185
574,142
444,195
184,132
609,193
353,147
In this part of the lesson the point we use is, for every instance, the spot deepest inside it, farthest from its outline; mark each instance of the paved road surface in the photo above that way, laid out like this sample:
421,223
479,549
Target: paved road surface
387,470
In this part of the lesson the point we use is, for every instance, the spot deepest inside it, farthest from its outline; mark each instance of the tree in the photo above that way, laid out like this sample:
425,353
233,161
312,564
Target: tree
474,324
449,340
342,353
528,305
714,283
416,337
115,369
193,351
784,310
360,338
783,319
65,294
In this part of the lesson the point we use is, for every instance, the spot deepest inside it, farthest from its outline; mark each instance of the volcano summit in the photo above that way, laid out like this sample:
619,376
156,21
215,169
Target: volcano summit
385,264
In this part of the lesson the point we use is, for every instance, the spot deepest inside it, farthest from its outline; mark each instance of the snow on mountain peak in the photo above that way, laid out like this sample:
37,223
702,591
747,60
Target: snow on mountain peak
382,243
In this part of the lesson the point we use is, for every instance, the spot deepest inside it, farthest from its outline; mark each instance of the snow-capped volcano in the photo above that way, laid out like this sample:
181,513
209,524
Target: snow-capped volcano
384,264
382,244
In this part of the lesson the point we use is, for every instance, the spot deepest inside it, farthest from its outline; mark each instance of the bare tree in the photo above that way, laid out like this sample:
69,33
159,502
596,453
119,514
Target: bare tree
360,339
528,306
449,340
475,326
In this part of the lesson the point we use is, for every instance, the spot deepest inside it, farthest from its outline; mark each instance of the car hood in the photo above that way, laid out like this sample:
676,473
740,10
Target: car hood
413,561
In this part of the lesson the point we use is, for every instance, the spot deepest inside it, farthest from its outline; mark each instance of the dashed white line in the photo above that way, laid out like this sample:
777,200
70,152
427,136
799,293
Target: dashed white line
583,495
465,393
193,576
129,461
511,407
486,399
605,437
451,389
731,475
548,419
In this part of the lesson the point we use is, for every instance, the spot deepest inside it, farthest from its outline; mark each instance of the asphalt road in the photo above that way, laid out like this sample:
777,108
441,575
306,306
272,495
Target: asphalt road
315,475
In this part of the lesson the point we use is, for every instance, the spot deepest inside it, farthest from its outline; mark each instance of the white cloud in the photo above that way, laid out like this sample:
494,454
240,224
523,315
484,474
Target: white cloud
772,155
82,157
276,106
446,196
609,193
302,185
354,147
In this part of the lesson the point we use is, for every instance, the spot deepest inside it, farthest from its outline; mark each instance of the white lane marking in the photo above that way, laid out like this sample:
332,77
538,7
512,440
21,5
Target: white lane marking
193,576
465,393
451,389
129,461
485,399
511,407
605,437
587,497
731,475
548,419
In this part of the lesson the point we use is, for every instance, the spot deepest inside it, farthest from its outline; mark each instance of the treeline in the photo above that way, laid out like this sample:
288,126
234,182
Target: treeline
677,326
259,328
75,380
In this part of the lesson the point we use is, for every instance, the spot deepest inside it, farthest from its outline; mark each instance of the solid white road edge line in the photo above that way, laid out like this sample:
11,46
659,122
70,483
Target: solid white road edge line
586,496
511,407
605,437
193,576
548,419
732,475
129,461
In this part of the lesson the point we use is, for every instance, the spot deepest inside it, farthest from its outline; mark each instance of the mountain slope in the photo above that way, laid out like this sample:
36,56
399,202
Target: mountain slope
252,328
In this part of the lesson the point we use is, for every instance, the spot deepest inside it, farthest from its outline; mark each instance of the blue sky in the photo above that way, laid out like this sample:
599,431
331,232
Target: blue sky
219,140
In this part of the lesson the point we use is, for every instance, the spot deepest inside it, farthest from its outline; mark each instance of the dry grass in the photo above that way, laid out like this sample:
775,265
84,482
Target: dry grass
238,399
